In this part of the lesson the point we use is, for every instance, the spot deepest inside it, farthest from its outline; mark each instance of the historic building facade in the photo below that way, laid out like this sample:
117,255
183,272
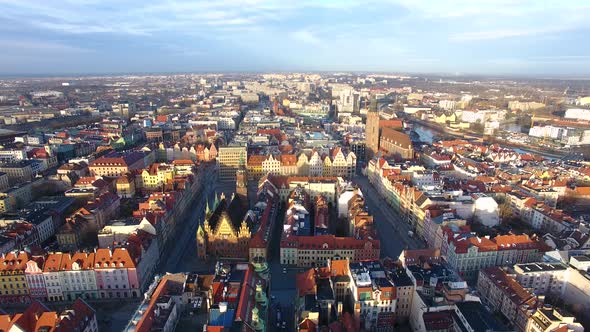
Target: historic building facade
225,232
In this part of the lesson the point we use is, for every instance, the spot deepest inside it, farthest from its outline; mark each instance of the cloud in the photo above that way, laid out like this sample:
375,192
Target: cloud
306,36
39,47
498,34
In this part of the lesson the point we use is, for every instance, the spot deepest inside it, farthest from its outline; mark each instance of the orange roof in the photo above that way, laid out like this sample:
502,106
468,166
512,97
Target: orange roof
146,321
288,159
119,258
307,326
511,241
339,267
53,262
305,282
14,261
582,191
84,260
256,160
452,143
124,179
183,162
391,123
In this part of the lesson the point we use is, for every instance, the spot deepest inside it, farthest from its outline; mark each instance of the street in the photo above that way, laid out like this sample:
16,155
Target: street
392,230
282,284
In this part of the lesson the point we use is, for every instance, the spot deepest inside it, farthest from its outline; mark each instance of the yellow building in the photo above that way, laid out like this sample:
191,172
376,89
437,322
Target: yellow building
443,118
157,176
327,169
13,283
126,186
254,166
7,203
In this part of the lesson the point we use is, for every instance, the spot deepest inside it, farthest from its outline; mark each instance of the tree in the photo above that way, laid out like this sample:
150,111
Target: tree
505,212
477,127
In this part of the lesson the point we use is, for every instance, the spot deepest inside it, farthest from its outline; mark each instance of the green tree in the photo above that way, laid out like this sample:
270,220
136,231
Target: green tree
477,127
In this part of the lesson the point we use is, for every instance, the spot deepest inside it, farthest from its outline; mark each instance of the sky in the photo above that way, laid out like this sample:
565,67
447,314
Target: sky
492,37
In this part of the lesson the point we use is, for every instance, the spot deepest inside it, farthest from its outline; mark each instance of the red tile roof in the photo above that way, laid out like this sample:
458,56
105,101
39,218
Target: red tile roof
305,282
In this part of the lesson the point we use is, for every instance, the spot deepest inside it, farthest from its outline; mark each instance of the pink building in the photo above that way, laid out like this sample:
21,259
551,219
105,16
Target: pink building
116,274
35,279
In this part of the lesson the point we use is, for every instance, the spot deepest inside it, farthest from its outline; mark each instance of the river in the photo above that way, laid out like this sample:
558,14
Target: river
427,135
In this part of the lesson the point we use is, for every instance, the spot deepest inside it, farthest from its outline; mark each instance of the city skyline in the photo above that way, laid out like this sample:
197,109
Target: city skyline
522,38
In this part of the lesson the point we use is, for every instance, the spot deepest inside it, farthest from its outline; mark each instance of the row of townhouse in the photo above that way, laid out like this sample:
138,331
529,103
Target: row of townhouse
104,273
335,163
197,153
408,201
468,253
539,215
156,177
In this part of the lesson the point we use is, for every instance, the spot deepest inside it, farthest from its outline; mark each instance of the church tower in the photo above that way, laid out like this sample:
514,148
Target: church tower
242,187
372,130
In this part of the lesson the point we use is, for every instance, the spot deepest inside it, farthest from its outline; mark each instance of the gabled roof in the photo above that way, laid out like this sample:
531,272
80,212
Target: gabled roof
233,211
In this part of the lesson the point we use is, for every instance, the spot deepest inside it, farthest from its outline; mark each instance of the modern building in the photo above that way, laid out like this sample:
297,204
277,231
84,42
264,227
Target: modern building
229,160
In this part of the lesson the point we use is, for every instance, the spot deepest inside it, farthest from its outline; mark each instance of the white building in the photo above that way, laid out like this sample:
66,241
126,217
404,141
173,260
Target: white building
345,196
578,114
543,278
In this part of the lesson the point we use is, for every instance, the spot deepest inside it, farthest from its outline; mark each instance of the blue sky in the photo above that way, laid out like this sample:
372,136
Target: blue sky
436,36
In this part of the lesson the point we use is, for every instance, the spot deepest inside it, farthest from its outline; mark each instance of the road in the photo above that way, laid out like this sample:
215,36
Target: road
391,228
282,284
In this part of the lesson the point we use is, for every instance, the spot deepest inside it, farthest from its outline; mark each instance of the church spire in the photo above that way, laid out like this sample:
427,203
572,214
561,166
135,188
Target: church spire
207,210
216,202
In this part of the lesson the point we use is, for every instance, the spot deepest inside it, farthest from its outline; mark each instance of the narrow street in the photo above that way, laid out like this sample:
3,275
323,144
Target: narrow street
282,283
392,230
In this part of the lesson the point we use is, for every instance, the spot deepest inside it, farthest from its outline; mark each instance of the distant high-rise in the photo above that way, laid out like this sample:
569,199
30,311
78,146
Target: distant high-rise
372,130
125,108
